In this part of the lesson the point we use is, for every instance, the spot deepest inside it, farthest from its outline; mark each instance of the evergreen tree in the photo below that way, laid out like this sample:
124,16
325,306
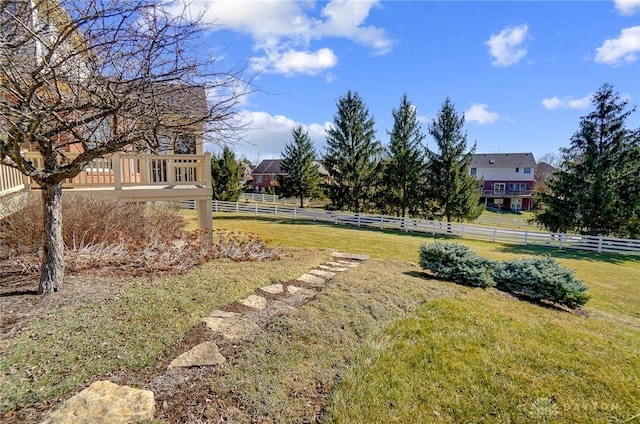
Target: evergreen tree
405,168
454,191
352,156
226,176
597,189
302,179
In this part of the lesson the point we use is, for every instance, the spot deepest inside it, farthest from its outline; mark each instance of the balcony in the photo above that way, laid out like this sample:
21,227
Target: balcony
132,177
507,193
142,177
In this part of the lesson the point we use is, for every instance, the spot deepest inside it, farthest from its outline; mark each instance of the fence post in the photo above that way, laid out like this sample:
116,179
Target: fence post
315,215
462,226
381,222
276,210
237,208
600,244
526,235
335,219
215,203
561,236
494,235
256,206
358,217
433,232
294,213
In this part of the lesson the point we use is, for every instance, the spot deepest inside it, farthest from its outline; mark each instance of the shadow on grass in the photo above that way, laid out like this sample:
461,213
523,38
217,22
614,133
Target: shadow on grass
580,255
506,248
306,222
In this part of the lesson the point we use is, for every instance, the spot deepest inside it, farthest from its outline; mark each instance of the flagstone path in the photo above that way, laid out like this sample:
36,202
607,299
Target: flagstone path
238,324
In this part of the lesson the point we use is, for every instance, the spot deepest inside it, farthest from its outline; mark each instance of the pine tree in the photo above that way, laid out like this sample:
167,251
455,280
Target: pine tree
298,160
405,167
454,191
226,176
597,190
352,155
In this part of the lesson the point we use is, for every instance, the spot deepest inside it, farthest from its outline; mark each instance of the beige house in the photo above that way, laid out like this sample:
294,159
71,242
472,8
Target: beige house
173,167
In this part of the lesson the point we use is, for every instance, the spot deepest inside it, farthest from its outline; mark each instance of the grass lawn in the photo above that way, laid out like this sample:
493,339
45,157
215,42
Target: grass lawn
482,355
384,342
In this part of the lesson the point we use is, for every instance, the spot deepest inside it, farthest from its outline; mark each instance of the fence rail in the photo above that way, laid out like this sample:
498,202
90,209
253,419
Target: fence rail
464,230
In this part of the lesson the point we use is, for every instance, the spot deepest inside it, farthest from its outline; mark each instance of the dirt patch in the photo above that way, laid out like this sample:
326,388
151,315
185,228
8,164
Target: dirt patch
20,301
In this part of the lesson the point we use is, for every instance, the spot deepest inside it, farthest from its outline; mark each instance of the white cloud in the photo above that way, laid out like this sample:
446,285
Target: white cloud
615,51
267,135
506,48
478,113
568,102
293,62
627,7
283,30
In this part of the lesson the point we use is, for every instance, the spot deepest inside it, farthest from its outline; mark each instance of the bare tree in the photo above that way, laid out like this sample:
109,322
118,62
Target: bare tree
96,77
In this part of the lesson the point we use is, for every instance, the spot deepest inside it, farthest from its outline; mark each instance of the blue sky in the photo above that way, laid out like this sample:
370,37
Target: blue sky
522,72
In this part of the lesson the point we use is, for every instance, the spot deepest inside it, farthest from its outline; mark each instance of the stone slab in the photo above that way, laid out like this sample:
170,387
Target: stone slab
274,308
237,328
311,280
351,256
254,301
301,290
333,268
224,314
341,264
346,263
105,402
204,354
273,289
298,296
322,273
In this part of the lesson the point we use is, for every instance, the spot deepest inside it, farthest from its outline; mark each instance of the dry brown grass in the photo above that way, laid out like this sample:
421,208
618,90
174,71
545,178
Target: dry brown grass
112,236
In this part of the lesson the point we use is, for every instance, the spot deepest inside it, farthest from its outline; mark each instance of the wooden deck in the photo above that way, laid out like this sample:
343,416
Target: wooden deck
140,178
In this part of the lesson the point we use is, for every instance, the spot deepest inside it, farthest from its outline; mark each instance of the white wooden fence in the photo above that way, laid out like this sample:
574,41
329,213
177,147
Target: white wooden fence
463,230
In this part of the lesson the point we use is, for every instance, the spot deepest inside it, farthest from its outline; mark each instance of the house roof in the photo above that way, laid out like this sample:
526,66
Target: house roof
181,100
503,160
269,166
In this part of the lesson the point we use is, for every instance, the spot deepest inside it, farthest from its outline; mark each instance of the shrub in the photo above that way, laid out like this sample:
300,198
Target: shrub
458,263
90,220
541,278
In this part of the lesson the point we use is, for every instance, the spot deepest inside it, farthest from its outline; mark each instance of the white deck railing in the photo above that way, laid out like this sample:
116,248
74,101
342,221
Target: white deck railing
126,170
11,181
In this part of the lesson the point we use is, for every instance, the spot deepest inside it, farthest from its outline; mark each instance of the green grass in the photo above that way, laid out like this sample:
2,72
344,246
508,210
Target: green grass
483,356
60,352
486,357
384,342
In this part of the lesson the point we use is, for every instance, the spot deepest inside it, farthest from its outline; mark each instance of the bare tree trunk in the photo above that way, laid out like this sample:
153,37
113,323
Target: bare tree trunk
52,267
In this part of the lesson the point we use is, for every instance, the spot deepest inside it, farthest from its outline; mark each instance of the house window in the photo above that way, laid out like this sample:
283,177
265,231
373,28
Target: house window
517,187
527,170
259,179
517,169
473,171
498,188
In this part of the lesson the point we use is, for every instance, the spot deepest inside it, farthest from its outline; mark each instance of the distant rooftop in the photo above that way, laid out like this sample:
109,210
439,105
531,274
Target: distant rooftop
503,160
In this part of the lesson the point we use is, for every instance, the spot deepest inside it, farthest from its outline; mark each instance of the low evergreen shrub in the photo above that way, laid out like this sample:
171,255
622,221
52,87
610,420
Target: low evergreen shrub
458,263
540,278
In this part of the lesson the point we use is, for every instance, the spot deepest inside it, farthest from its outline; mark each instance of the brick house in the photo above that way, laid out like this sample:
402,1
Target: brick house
265,175
506,180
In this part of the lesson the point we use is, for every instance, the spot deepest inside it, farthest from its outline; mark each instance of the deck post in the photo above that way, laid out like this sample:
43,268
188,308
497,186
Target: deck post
117,170
205,216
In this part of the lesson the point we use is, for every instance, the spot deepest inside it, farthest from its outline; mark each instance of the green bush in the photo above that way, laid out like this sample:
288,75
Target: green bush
458,263
541,278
